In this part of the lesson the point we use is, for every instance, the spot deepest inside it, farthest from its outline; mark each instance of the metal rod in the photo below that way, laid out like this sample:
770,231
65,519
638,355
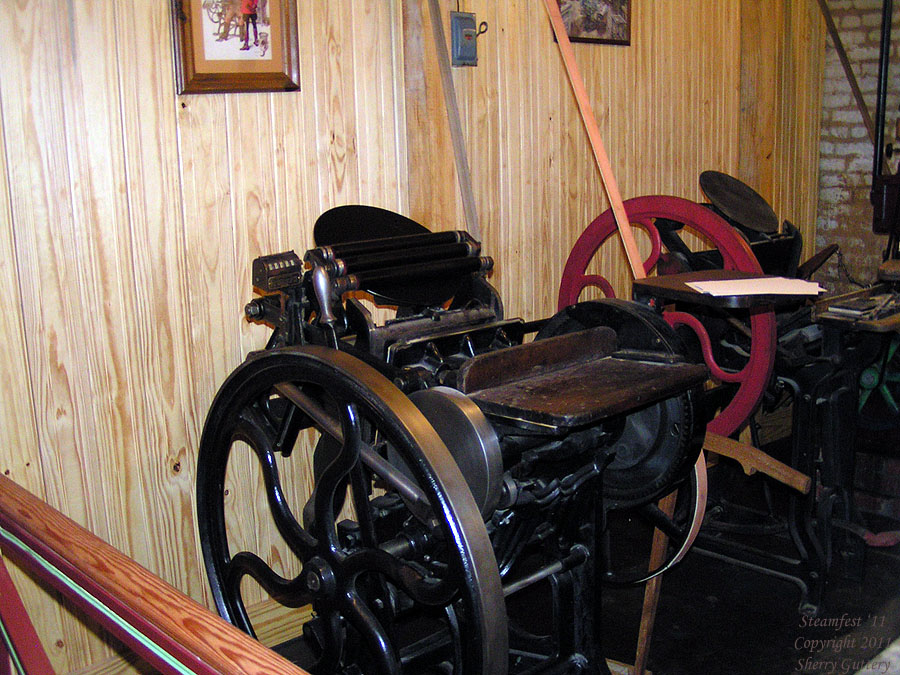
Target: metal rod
329,425
577,556
887,12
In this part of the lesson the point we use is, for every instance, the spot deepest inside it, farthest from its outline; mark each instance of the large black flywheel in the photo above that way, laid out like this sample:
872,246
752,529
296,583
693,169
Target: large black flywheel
387,543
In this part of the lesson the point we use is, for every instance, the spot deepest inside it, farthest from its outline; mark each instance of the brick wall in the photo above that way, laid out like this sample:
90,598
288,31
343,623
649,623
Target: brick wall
846,153
845,179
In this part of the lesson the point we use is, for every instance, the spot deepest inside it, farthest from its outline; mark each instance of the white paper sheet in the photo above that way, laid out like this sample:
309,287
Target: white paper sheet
762,286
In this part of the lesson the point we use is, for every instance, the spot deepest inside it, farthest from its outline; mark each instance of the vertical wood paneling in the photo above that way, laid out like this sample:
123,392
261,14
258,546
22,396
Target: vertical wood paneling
431,179
762,62
99,211
22,461
667,107
129,216
207,211
47,188
781,90
796,158
337,139
156,294
16,404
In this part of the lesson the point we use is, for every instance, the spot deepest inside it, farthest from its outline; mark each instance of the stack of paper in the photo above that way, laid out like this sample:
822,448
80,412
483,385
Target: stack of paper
759,286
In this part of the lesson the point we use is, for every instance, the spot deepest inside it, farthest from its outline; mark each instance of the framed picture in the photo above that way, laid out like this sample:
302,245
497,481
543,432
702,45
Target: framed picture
607,21
235,45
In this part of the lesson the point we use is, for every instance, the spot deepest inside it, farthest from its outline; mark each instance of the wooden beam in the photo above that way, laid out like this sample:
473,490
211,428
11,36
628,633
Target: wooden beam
652,590
147,614
456,132
596,141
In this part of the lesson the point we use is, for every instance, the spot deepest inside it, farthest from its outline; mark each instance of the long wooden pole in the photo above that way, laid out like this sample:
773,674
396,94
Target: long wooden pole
658,551
453,117
593,132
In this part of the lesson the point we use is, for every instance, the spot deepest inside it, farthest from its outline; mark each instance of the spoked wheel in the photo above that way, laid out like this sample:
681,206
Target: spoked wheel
753,373
213,10
389,547
879,390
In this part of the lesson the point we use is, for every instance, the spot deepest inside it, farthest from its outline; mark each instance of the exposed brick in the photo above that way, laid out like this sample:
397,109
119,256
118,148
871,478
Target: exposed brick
854,149
845,161
872,19
833,195
837,165
846,116
868,69
834,71
861,164
858,180
866,6
838,100
868,84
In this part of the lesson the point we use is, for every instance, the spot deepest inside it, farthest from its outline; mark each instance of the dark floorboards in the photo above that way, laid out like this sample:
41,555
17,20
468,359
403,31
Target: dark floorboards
717,618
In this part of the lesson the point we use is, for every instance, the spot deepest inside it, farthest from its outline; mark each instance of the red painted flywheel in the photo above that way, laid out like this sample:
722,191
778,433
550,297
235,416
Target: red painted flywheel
754,376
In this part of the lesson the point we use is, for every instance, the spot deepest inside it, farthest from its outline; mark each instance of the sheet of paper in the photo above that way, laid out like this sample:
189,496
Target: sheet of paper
763,286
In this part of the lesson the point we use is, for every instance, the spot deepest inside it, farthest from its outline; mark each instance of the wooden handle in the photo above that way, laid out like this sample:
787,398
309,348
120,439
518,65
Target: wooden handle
651,591
753,459
593,132
140,608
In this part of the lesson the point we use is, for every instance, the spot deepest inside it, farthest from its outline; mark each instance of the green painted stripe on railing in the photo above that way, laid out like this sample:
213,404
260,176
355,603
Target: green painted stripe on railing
11,649
97,604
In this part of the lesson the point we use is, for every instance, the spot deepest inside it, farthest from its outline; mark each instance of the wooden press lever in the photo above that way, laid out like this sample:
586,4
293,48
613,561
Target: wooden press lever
753,460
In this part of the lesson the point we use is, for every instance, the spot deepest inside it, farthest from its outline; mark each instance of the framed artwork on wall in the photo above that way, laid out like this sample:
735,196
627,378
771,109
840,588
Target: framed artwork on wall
605,21
226,46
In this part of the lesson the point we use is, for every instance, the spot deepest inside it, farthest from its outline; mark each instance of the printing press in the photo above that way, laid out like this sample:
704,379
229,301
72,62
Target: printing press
467,467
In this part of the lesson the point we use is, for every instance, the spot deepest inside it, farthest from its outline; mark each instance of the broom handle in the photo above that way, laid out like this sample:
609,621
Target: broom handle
593,132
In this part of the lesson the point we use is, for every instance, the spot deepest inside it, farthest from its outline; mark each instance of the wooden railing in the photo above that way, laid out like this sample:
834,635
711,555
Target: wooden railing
167,629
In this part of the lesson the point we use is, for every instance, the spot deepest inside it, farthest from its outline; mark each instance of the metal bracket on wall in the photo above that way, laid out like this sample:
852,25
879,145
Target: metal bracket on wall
464,38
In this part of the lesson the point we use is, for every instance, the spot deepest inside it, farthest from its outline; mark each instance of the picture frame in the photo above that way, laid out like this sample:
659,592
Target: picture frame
219,48
602,21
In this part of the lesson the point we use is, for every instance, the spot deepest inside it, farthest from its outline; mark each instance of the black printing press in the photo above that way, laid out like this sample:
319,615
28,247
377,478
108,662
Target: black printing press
466,466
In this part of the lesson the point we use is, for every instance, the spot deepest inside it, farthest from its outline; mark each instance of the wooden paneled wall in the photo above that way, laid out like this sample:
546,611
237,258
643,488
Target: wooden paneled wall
129,215
783,52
